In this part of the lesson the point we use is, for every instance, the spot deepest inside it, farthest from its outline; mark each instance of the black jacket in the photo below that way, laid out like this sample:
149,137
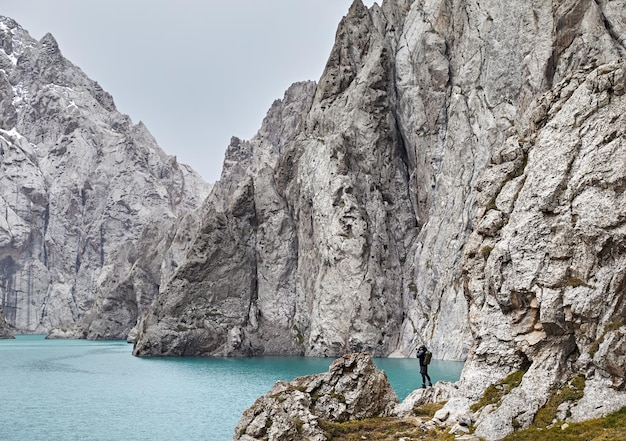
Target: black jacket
421,353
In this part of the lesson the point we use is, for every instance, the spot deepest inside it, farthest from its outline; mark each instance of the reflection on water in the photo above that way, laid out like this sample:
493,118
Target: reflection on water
83,390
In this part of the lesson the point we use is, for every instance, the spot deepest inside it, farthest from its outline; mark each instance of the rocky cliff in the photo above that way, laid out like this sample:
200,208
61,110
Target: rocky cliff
131,278
545,268
318,234
355,218
77,179
242,259
456,177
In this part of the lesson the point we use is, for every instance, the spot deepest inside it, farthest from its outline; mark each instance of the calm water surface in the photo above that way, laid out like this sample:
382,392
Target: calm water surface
64,390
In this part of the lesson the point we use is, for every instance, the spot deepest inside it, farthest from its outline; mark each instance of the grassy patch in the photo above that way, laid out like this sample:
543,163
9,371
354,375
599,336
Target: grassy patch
610,428
494,393
427,410
298,423
380,429
572,391
486,251
575,282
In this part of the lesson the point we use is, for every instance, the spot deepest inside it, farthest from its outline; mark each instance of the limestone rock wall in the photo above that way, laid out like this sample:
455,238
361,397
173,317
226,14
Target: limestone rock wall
466,72
232,295
545,267
356,210
77,178
323,224
131,279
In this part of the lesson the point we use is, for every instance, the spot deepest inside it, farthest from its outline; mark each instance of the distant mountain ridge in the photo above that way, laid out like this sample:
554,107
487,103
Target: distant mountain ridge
77,179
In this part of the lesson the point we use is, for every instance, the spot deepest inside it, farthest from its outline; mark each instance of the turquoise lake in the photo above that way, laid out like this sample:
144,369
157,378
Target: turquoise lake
64,390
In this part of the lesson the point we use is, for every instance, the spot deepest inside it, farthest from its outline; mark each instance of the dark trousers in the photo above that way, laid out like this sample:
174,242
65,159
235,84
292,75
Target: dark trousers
424,372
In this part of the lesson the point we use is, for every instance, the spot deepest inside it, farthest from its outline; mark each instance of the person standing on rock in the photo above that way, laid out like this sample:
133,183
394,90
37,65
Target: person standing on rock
424,356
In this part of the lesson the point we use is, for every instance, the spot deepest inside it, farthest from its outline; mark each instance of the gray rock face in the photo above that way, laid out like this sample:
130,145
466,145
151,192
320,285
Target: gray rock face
77,178
241,257
131,279
312,261
353,388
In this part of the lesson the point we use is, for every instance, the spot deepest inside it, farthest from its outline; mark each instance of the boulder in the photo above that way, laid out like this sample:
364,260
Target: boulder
353,388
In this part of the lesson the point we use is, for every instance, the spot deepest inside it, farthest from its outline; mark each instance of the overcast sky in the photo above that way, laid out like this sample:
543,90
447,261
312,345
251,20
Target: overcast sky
196,72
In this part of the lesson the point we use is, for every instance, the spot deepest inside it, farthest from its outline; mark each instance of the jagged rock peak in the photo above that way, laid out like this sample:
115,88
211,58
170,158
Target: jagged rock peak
355,229
353,388
245,196
50,44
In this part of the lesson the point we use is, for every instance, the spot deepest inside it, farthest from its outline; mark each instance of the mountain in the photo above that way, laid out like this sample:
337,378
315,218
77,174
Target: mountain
456,177
320,231
77,180
356,225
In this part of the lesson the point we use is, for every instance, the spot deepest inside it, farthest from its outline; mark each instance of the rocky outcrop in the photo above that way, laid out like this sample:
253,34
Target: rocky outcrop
5,331
77,178
356,218
131,279
241,257
353,388
324,224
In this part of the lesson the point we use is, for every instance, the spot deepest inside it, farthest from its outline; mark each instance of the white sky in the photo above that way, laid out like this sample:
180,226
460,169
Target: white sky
196,72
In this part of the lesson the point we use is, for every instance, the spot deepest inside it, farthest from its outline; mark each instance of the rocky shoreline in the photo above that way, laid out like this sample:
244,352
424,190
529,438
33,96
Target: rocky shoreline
355,397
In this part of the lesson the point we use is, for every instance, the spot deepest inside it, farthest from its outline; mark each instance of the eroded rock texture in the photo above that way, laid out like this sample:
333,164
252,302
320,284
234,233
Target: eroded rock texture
77,178
353,388
326,224
233,294
352,213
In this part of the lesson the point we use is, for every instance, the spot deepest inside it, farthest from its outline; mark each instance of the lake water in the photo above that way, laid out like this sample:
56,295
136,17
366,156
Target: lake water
64,390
